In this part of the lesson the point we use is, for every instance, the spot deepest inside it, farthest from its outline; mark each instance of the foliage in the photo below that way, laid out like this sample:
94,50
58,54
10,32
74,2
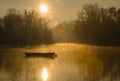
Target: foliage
98,25
64,32
24,28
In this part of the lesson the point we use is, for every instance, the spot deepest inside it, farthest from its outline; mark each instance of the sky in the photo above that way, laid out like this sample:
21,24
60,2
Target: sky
59,10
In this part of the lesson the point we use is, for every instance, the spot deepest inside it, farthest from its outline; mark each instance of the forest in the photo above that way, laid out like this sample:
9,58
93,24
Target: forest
24,28
98,25
93,25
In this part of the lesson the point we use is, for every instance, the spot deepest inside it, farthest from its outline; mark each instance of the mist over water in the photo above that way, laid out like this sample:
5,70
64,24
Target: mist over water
75,62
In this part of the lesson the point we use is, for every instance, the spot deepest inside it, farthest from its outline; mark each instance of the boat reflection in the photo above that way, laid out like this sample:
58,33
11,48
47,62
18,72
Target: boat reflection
44,74
75,63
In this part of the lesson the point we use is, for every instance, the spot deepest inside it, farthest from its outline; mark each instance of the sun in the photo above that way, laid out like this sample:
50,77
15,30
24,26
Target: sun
43,8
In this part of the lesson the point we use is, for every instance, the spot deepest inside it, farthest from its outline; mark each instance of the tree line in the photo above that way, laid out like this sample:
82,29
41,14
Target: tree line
98,25
24,28
94,25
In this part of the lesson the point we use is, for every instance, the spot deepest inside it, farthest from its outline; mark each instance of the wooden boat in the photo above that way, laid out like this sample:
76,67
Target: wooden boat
45,55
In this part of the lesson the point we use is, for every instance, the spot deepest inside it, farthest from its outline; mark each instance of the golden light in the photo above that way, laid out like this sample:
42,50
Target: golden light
43,8
44,74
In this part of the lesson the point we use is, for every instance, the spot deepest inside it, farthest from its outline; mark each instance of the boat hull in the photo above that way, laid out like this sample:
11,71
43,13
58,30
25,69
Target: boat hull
45,55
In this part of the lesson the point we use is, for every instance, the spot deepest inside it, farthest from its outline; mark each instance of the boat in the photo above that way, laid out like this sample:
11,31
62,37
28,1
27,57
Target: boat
45,55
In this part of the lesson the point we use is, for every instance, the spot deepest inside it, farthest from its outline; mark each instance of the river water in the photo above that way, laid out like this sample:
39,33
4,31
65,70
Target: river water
74,62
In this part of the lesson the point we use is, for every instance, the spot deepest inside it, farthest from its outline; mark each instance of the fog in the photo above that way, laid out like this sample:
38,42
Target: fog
75,62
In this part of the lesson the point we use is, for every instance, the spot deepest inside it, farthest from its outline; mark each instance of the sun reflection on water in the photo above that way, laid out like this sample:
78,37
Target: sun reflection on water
44,74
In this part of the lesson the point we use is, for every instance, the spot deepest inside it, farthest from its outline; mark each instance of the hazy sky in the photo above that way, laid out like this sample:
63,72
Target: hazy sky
60,10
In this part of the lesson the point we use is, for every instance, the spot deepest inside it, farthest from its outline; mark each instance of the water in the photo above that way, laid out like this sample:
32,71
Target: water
75,62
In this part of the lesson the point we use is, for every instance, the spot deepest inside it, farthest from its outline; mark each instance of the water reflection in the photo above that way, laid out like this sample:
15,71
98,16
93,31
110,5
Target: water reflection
100,65
91,68
74,63
44,74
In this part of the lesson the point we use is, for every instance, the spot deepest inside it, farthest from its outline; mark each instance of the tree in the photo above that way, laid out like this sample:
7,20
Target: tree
63,32
26,28
98,25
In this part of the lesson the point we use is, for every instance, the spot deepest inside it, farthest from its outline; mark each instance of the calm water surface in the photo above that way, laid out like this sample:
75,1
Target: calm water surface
75,62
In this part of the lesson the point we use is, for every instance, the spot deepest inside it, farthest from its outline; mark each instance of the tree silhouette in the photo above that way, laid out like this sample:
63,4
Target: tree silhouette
24,28
97,25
